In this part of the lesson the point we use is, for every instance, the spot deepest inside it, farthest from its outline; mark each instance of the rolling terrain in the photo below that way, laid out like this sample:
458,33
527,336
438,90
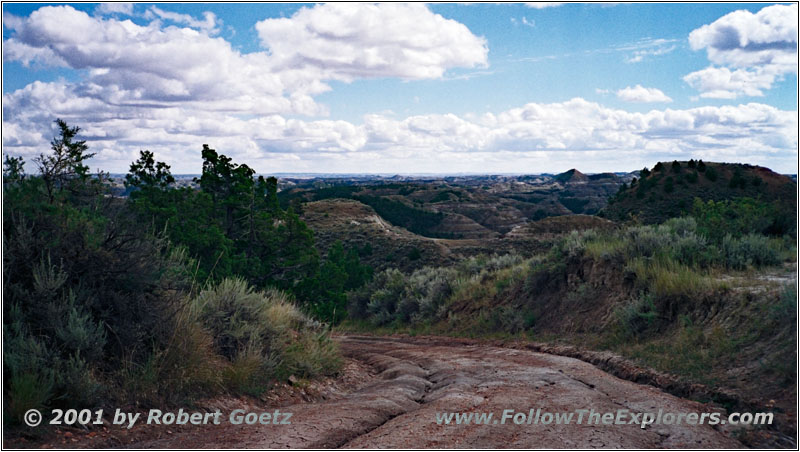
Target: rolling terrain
413,222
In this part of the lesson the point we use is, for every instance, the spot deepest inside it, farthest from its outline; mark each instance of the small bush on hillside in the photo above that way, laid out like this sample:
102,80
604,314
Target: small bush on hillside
545,276
574,244
694,250
472,266
648,240
385,292
501,262
750,250
429,288
263,335
507,319
682,226
638,315
393,296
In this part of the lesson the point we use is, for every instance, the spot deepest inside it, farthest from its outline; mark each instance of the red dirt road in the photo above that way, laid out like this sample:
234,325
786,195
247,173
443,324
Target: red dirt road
416,379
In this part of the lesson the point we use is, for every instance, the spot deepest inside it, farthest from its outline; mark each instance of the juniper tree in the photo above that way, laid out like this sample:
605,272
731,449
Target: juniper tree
65,165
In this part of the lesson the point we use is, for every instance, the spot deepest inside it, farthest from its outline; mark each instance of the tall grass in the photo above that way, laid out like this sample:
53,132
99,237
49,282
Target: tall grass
665,277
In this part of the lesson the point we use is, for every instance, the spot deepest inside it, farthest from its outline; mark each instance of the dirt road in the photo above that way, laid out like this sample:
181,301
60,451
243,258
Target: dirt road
416,379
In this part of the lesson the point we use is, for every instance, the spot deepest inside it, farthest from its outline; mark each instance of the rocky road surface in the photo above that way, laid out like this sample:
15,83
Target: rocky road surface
414,379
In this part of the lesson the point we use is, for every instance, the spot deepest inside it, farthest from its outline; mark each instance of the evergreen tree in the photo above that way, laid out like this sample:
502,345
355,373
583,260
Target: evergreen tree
64,167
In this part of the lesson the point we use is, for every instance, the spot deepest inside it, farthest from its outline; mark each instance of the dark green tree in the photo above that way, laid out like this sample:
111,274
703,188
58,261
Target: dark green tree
13,169
64,167
147,173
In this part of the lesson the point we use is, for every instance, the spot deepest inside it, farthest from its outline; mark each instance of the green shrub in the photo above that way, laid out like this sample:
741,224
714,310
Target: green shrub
682,226
383,295
785,310
500,262
648,240
506,319
751,250
262,334
24,392
637,316
545,276
430,288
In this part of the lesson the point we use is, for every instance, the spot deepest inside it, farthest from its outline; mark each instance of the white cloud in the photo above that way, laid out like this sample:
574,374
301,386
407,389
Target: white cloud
209,24
130,64
115,8
171,67
761,48
171,89
722,83
535,137
542,5
343,42
639,93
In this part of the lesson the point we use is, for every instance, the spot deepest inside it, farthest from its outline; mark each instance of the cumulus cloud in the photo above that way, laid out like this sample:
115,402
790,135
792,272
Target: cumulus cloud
115,8
639,93
171,89
153,66
130,64
760,48
343,42
723,83
534,137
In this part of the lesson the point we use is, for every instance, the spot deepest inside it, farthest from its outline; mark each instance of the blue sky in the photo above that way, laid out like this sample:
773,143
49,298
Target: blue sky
498,88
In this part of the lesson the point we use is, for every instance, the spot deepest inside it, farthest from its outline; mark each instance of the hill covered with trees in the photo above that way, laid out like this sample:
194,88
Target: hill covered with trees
670,189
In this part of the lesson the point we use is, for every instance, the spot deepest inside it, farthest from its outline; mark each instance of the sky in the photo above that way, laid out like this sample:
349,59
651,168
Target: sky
411,88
